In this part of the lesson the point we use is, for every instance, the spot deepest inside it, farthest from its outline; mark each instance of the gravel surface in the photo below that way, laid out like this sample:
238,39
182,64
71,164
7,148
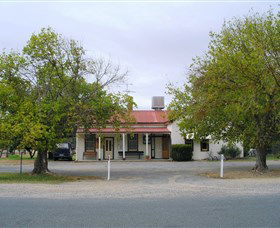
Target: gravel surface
143,179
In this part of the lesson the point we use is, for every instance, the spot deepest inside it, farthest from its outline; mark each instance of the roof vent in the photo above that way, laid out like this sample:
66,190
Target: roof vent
157,103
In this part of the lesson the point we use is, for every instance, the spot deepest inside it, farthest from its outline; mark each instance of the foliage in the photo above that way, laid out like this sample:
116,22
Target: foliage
181,152
230,151
44,95
233,91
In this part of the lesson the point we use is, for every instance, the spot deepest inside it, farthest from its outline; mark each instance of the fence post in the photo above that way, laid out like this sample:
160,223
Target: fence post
20,169
109,168
222,166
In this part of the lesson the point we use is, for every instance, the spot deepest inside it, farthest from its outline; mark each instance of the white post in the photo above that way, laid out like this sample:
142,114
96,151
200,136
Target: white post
99,148
222,166
123,145
20,169
147,145
109,168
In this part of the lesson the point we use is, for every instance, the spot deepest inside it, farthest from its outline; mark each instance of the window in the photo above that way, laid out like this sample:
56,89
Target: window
63,145
204,145
189,142
109,144
90,142
132,142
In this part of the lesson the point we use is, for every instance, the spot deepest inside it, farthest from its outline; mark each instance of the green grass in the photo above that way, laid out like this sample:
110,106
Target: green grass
17,157
273,157
239,174
43,178
269,157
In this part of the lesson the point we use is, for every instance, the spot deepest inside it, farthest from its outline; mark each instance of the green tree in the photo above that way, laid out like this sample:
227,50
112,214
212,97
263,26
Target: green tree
233,91
45,97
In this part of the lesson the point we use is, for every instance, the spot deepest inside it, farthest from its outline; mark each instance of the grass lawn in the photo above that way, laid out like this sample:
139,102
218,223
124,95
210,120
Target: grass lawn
14,159
17,157
269,157
246,173
243,174
43,178
5,161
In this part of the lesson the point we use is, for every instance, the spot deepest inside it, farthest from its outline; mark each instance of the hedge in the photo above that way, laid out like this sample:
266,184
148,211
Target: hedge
230,152
181,152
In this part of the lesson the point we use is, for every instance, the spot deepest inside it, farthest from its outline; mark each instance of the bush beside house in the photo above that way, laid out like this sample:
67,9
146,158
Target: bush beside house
181,152
230,152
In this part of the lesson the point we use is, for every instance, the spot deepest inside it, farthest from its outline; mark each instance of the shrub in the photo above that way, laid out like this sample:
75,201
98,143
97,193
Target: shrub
275,148
230,152
181,152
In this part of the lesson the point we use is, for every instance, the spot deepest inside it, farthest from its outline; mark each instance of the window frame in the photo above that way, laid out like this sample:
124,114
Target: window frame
134,138
93,140
207,145
190,142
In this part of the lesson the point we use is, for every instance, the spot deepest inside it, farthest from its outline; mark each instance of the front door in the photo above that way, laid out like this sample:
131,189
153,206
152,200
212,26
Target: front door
109,148
153,147
165,146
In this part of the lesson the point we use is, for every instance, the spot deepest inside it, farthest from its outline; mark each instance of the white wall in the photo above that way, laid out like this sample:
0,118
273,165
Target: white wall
176,137
214,147
80,146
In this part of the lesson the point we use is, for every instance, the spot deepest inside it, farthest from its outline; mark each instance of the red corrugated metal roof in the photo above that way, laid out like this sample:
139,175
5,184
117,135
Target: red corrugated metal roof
150,116
125,130
146,121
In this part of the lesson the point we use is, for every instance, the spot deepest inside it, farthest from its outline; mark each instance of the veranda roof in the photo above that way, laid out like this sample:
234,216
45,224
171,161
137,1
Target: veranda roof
162,130
146,121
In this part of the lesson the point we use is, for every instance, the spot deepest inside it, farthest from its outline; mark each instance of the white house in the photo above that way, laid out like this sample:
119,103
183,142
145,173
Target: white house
149,137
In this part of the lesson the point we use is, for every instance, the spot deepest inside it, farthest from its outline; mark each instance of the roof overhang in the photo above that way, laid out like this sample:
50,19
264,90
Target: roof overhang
158,130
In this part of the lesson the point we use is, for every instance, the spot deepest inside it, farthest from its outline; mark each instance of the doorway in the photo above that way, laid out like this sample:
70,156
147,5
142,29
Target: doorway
165,146
153,147
108,148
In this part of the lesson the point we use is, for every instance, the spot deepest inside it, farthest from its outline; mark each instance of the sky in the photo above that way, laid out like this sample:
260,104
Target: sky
155,41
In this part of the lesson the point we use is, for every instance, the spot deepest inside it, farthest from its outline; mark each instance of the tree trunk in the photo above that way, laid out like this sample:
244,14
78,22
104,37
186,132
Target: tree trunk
261,159
41,163
47,162
31,152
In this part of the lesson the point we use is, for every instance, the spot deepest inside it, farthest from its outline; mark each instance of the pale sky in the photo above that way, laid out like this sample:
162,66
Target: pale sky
155,41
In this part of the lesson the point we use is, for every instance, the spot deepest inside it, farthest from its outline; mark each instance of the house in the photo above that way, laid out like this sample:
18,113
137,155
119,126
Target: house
149,137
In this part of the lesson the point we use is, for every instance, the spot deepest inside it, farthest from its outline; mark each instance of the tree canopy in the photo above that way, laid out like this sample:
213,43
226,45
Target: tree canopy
44,94
233,91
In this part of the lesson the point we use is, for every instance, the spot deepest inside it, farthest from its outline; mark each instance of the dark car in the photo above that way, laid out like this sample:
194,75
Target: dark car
63,151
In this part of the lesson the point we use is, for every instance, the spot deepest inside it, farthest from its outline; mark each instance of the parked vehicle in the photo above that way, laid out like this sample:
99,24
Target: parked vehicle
63,151
252,152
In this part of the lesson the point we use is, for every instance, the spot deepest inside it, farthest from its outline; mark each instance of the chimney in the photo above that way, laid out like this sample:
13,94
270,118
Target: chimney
158,102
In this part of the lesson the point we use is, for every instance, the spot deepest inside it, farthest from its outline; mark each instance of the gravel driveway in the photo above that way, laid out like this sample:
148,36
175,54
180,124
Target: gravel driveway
143,179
